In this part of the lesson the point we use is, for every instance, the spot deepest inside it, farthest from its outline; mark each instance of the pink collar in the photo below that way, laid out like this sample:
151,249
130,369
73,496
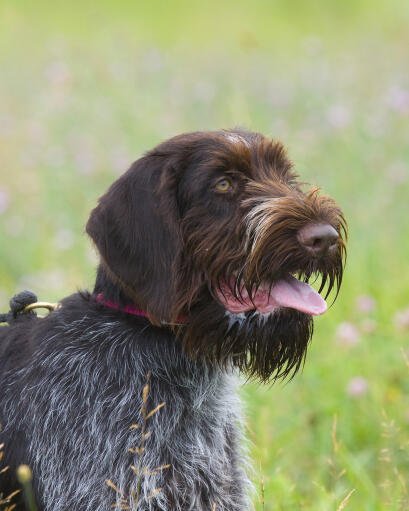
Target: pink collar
132,309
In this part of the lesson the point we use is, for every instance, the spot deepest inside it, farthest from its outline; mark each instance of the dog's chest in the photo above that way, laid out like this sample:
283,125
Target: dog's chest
89,421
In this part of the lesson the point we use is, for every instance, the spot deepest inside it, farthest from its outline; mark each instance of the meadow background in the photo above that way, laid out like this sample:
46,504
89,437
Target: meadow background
86,87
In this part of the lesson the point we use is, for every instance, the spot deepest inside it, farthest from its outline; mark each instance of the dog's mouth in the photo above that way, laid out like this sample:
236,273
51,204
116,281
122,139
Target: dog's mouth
287,292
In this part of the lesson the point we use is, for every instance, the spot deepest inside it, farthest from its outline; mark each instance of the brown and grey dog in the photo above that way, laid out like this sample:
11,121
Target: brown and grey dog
207,244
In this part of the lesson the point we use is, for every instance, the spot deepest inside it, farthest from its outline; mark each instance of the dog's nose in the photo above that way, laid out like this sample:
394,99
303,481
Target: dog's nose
318,239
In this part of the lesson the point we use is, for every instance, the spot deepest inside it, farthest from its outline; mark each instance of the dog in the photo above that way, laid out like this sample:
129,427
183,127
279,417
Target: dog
126,396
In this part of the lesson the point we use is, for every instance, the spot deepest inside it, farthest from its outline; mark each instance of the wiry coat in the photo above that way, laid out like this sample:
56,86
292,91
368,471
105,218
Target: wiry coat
91,394
81,391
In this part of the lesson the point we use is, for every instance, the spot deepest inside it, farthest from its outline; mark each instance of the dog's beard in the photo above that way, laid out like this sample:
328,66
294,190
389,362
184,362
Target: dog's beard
265,347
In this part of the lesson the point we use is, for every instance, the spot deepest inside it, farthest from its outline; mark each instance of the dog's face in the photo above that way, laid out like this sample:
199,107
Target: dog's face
215,227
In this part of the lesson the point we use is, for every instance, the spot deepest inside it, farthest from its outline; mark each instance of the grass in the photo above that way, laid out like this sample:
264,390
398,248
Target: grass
132,500
86,90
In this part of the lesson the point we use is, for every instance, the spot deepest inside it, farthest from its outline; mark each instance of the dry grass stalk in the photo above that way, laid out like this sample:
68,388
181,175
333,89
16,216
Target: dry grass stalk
401,480
109,483
335,443
140,471
262,492
152,412
345,501
390,455
155,492
405,357
6,500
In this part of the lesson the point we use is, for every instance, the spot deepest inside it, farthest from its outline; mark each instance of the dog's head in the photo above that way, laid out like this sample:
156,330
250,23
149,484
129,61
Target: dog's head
215,227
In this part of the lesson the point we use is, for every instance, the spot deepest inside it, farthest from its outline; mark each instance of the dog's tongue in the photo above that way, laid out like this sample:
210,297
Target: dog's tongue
298,295
288,292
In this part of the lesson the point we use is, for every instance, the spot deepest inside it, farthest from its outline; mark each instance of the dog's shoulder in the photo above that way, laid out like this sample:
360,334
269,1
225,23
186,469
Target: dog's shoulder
17,341
29,333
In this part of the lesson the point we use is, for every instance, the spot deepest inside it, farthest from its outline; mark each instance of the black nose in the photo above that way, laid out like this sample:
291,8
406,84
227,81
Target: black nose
318,239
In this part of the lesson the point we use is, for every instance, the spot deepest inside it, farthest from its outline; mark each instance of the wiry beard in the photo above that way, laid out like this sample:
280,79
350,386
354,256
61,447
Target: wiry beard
264,347
257,252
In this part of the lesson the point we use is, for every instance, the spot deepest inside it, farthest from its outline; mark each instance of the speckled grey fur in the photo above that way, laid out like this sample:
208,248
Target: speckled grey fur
81,392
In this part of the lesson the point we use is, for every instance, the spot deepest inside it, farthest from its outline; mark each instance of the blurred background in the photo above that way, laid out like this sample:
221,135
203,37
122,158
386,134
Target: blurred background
87,87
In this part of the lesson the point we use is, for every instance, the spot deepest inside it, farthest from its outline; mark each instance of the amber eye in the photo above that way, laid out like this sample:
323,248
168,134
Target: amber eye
224,185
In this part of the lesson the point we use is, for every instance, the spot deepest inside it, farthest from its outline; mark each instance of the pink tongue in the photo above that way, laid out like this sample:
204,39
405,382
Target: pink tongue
298,295
288,292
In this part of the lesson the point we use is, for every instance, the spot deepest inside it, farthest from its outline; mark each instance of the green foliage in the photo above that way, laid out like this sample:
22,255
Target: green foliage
87,88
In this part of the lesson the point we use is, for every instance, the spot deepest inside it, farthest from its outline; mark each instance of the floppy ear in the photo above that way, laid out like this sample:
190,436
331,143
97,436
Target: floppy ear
136,230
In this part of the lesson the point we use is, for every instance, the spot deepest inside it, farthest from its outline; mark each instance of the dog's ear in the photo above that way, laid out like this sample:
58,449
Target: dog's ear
135,228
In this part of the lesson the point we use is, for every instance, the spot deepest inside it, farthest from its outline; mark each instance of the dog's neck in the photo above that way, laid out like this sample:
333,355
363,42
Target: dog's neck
111,295
111,291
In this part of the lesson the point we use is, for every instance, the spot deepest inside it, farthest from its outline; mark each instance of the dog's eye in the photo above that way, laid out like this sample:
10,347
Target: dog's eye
224,185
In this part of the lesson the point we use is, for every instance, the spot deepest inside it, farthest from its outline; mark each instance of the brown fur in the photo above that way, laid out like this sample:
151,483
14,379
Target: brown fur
168,238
